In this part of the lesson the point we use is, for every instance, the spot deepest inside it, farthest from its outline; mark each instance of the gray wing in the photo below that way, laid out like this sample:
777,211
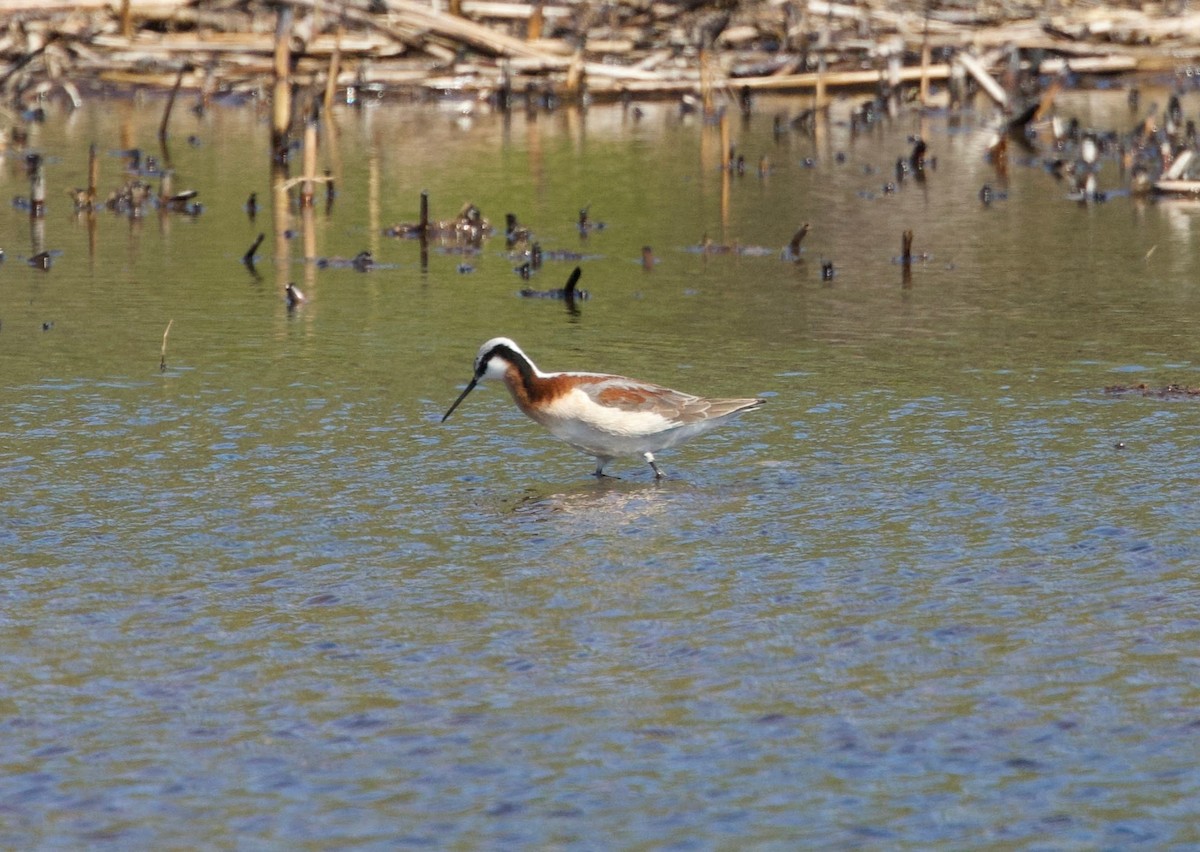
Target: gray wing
676,406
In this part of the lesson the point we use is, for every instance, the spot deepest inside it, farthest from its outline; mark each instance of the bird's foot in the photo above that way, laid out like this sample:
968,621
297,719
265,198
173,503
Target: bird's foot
599,472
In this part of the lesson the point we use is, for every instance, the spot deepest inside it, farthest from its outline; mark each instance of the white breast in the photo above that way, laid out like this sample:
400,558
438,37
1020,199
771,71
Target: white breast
603,431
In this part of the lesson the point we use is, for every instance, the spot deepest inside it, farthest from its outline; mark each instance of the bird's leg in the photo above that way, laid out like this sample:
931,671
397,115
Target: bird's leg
600,474
649,457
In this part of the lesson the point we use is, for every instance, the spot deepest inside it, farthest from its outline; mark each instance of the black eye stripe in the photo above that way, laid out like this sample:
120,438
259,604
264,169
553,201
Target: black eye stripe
516,358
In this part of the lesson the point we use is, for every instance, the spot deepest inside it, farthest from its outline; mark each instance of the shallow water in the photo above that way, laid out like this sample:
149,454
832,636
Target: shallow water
939,592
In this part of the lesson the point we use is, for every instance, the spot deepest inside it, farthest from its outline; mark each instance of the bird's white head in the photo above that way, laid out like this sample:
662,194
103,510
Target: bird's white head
493,358
492,362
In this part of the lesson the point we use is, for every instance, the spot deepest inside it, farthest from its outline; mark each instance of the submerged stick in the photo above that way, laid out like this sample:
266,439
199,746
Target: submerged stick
162,361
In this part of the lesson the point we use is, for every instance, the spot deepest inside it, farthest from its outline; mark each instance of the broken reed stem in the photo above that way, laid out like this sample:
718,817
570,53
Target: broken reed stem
726,144
308,185
926,56
573,89
166,186
820,96
797,238
569,289
37,187
281,99
335,59
162,361
291,183
162,128
93,176
248,257
533,30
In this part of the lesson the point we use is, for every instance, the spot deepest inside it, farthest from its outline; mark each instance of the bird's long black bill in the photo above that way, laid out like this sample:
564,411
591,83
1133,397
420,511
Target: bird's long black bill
470,387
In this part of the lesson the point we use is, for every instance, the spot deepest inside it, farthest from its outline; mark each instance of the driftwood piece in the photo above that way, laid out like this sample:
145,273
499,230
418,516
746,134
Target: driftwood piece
1179,167
1177,187
490,9
986,81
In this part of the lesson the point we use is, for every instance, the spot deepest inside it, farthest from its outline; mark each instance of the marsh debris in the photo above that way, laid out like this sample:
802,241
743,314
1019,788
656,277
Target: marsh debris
543,55
1163,392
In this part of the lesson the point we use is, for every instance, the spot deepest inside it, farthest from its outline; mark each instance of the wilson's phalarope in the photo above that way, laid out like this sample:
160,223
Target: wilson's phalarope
604,416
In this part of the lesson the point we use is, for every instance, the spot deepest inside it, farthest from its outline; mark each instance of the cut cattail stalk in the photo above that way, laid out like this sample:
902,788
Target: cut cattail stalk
533,31
281,103
162,360
307,187
726,144
93,176
335,59
37,186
